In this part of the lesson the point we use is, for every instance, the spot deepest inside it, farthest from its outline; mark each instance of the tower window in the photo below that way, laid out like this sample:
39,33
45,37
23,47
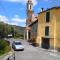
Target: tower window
30,6
47,16
47,31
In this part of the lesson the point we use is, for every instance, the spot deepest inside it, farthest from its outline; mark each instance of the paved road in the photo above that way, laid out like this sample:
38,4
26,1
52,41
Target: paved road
34,53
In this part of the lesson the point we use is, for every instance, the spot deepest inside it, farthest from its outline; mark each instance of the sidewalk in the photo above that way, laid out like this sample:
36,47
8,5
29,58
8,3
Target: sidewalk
50,52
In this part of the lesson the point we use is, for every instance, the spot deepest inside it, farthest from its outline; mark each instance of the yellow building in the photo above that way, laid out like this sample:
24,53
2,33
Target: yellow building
48,30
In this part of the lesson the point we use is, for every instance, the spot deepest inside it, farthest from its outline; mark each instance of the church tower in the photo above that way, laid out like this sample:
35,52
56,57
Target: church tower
29,12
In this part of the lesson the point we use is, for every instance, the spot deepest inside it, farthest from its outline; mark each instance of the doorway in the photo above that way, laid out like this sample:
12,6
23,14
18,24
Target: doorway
45,43
29,34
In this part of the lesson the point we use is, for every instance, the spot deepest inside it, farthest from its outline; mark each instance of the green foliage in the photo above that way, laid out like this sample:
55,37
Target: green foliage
18,35
4,47
3,30
6,30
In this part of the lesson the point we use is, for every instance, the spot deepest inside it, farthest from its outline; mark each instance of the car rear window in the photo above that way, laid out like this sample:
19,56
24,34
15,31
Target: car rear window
18,43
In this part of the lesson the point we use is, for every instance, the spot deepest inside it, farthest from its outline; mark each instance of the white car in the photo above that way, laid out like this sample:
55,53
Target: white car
17,45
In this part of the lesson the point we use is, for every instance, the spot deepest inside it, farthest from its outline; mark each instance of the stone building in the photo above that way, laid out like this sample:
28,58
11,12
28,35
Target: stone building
31,18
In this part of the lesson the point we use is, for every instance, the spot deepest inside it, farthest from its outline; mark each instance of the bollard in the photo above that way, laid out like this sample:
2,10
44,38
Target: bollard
14,56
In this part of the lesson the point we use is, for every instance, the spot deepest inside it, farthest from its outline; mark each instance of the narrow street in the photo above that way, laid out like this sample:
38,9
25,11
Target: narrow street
34,53
37,21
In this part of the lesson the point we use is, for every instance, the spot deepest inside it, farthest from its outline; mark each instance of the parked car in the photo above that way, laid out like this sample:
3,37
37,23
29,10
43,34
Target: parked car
17,45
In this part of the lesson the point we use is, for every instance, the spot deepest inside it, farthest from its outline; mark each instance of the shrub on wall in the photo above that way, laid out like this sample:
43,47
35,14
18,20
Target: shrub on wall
4,47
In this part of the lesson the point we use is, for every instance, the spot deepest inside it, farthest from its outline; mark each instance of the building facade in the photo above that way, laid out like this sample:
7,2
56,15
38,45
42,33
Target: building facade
33,32
48,35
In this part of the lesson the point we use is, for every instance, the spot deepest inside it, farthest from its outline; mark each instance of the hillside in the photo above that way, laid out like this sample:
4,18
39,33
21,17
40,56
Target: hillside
11,29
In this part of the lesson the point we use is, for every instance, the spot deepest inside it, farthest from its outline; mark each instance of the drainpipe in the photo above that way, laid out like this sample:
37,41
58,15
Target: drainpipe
55,36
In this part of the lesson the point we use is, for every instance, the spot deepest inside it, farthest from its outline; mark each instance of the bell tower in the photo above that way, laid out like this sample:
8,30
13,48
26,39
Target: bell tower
29,5
29,12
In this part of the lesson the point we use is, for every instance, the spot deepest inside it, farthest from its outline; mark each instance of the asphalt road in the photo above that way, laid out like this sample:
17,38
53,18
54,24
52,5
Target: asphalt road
34,53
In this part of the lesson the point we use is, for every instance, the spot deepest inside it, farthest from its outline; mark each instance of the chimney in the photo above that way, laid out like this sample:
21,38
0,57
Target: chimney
42,9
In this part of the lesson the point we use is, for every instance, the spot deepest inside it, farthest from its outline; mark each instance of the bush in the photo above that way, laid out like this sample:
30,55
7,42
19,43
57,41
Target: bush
4,47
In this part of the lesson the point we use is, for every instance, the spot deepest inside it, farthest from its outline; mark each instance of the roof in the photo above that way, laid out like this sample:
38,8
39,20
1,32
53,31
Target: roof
57,7
33,22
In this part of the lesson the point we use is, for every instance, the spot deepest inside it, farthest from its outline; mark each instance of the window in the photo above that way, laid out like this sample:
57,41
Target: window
47,31
47,16
30,6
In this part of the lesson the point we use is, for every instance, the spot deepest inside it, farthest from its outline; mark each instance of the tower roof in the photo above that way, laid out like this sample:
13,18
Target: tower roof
30,1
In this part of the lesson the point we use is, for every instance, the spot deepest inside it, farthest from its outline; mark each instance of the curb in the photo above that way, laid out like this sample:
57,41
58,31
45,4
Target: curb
7,55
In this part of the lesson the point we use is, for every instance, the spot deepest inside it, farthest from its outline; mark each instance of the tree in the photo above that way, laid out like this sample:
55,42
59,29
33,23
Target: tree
3,30
12,31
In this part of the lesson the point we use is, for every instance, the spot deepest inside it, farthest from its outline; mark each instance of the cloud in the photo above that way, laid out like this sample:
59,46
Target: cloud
3,19
34,2
17,19
13,21
21,1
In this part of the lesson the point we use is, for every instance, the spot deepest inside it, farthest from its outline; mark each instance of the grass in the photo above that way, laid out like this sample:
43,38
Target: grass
4,47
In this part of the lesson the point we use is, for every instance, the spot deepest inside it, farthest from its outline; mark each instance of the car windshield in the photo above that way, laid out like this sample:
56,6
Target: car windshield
17,43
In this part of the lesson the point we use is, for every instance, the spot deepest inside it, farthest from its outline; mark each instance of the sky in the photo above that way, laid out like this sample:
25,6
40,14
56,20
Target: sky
14,11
